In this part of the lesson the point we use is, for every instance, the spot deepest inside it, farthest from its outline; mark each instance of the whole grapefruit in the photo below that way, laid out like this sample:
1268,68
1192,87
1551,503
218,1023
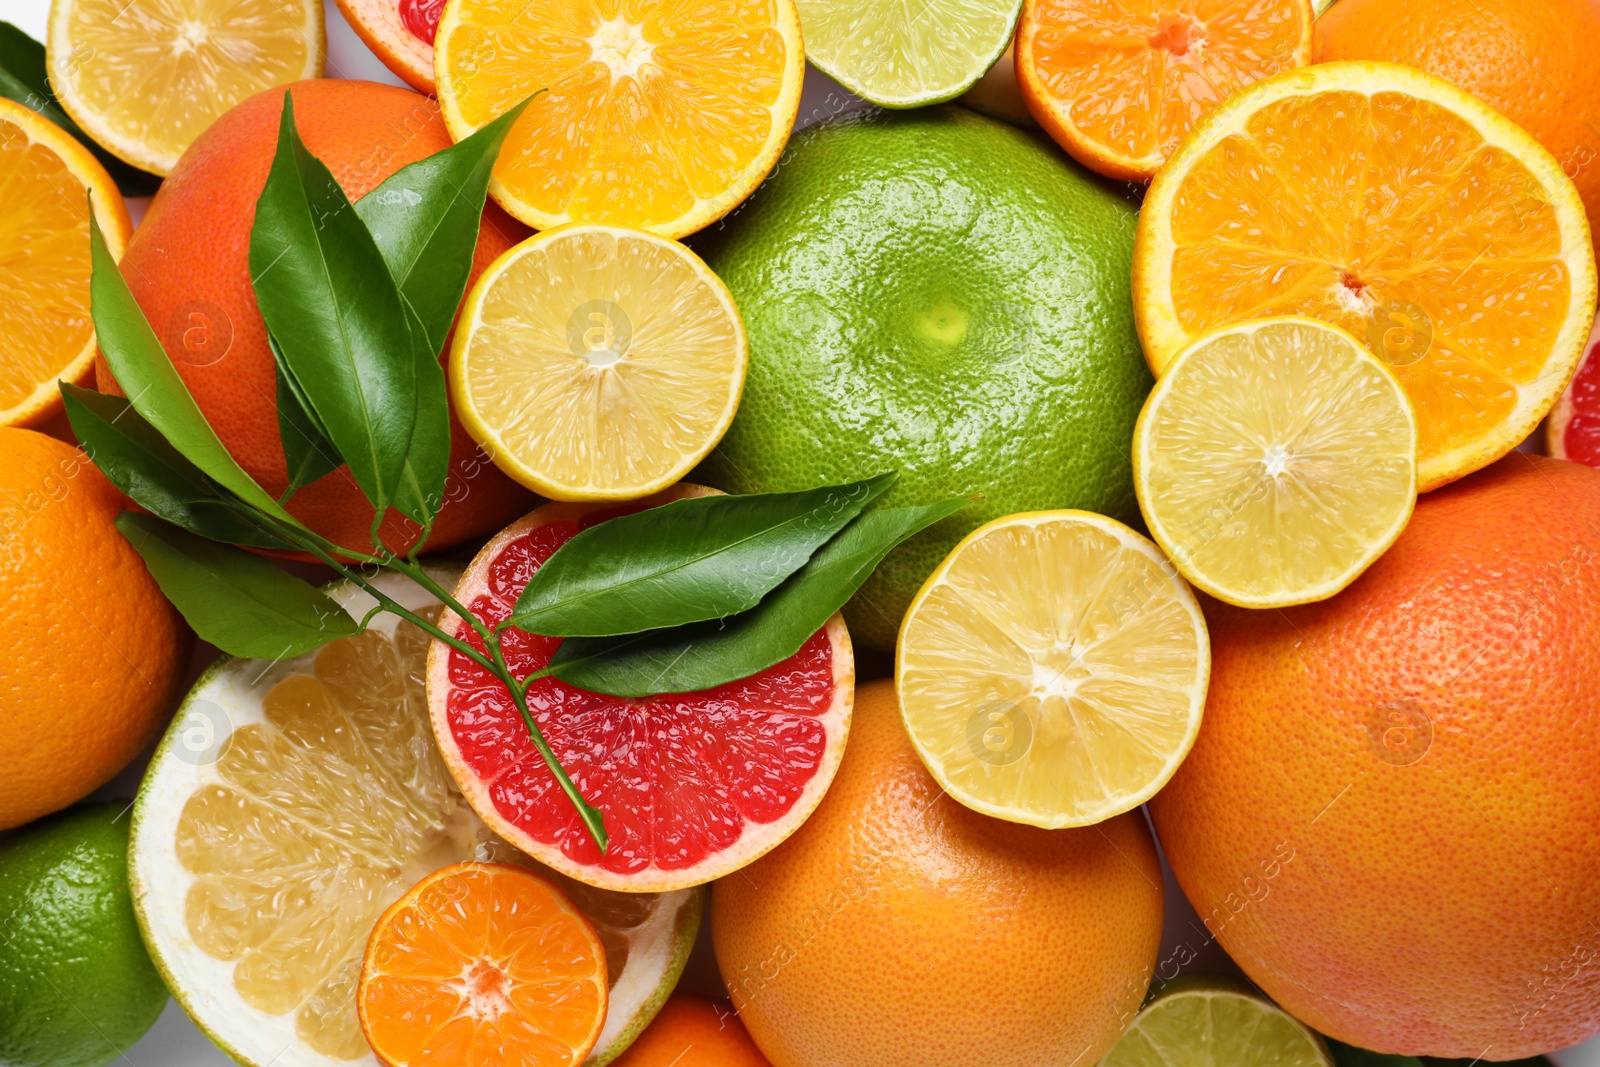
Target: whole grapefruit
188,266
1390,818
1535,61
897,927
92,653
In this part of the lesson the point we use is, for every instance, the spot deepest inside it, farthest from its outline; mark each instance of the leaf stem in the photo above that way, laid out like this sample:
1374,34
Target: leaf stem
494,663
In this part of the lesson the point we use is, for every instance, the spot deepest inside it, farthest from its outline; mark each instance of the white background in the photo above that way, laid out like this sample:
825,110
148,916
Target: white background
174,1042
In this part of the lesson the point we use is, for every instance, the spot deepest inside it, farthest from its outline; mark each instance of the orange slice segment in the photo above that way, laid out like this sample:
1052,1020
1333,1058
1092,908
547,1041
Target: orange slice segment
1119,83
483,963
658,116
1390,203
45,330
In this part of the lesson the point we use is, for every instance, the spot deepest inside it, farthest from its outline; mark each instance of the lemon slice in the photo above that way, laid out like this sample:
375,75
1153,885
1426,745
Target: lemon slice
899,55
1209,1022
1275,460
292,802
144,78
45,330
1052,670
598,362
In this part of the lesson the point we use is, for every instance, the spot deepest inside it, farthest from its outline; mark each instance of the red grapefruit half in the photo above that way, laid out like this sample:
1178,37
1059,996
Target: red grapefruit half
692,785
1573,431
399,32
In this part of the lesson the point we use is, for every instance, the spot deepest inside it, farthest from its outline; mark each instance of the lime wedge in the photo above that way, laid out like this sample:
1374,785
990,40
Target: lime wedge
1215,1022
907,55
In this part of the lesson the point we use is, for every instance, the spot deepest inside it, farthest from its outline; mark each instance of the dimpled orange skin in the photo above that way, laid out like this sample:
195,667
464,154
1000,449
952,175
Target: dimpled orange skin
190,257
93,653
897,927
692,1031
1535,61
1390,819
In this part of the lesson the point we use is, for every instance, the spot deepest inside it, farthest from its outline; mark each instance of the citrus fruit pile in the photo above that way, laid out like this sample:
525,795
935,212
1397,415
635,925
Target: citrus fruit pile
1031,533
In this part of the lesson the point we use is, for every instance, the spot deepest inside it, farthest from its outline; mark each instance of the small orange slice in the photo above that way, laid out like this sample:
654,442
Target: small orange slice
45,330
483,964
662,117
1389,203
1119,83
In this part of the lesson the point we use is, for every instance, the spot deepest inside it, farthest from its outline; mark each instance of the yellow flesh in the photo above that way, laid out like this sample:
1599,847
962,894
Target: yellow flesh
1275,463
1417,228
146,77
44,270
1222,1029
325,815
1063,627
897,54
601,363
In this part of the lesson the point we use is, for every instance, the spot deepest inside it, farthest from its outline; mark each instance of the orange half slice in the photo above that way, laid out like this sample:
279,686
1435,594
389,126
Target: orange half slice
45,330
483,963
1119,83
662,117
1389,203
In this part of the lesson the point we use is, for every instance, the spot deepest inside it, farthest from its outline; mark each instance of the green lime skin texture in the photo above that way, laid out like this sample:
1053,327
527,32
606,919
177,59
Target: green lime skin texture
76,986
944,295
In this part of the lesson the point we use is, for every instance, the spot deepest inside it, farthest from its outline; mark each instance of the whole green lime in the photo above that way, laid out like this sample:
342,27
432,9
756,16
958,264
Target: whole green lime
944,295
76,987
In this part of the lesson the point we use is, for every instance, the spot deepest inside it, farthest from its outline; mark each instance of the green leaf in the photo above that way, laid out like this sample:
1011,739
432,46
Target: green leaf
306,450
424,219
703,655
141,463
336,314
427,466
153,385
23,78
688,561
238,601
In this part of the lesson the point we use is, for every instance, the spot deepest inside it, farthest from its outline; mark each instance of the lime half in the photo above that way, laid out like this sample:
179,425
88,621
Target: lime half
907,55
1215,1022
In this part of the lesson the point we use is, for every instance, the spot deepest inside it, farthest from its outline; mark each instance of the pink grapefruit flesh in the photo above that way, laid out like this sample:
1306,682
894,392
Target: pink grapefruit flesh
692,785
1573,431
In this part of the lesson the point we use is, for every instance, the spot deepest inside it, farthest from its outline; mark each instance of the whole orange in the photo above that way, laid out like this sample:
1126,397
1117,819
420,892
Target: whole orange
1535,61
897,927
92,653
188,266
692,1031
1391,817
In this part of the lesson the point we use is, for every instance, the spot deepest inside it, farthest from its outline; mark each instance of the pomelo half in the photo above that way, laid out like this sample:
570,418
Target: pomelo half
289,804
692,785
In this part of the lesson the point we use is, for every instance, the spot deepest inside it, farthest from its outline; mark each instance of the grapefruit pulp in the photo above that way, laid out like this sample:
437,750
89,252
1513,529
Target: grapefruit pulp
692,785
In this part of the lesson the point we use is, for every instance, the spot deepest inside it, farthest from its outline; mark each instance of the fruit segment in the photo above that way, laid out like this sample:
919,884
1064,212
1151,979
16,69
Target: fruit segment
1275,461
1052,670
662,117
483,964
324,814
598,363
1438,234
45,330
691,785
1119,83
899,55
146,77
1214,1021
